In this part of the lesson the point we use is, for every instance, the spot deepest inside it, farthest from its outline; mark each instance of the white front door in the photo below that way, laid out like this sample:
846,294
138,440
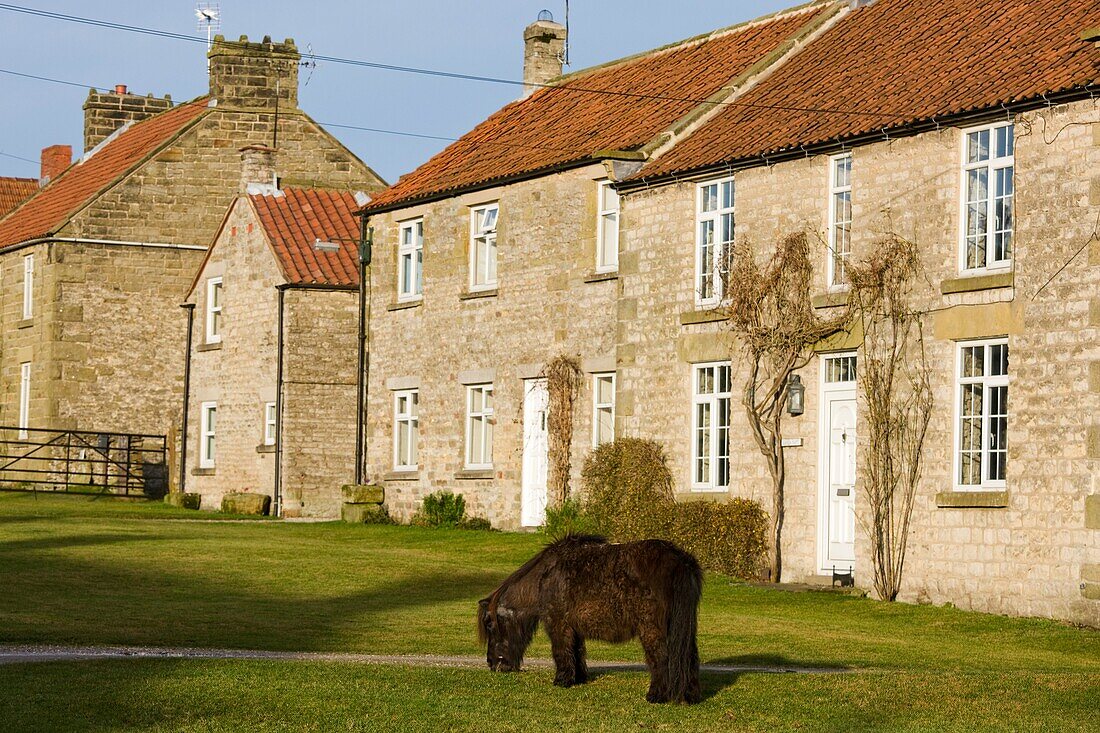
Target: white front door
536,446
837,526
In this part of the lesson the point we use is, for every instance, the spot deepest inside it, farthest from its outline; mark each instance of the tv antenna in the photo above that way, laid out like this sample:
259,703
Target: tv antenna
209,17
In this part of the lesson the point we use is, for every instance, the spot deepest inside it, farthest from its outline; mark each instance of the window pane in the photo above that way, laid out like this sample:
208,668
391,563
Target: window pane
604,391
978,146
709,200
418,280
406,273
491,264
727,195
973,361
610,199
605,427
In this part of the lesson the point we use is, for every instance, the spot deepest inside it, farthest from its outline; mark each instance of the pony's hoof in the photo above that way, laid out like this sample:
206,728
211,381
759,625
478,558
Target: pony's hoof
564,683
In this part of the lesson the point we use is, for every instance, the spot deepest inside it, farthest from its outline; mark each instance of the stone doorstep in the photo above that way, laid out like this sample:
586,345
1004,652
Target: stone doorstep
240,502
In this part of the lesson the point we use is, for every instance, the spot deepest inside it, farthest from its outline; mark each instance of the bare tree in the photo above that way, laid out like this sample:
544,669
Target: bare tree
894,382
770,311
563,383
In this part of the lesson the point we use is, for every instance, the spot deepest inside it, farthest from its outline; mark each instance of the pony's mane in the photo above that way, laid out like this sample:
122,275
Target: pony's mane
570,540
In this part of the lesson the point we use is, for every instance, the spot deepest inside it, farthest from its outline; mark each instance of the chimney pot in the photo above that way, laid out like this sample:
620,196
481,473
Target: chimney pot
55,159
120,88
543,52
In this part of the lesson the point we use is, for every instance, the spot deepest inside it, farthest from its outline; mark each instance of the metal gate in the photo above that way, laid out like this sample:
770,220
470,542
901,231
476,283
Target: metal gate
125,464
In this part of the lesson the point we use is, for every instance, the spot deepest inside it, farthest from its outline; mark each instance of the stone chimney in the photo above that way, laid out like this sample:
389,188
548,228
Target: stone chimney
543,53
258,170
253,75
55,159
105,112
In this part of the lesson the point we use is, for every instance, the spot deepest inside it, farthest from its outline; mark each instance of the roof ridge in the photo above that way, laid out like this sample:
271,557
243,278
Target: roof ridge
692,41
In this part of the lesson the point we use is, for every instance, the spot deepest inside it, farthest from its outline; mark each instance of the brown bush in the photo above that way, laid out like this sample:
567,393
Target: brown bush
628,496
729,538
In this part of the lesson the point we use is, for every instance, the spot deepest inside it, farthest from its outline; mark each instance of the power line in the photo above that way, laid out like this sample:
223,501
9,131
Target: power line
18,157
572,88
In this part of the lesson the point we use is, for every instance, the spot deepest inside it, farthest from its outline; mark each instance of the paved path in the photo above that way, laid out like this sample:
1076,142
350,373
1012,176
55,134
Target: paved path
21,653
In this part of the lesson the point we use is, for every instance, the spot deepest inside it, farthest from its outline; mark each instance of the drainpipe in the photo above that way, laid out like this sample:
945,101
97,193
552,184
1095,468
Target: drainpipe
366,237
190,308
277,499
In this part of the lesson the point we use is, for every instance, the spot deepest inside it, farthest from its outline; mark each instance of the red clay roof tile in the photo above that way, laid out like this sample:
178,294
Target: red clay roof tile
908,61
52,207
14,191
566,124
294,219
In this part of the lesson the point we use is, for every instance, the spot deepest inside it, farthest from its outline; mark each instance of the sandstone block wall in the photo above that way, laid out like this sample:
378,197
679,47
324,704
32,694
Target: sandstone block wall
547,303
1028,558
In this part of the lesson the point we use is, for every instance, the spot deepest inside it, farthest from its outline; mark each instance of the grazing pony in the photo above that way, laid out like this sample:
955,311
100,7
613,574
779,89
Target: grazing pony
583,587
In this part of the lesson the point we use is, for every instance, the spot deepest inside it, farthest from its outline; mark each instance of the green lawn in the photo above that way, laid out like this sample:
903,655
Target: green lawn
80,571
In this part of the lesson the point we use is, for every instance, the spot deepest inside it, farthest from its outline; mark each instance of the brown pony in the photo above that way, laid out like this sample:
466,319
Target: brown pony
583,587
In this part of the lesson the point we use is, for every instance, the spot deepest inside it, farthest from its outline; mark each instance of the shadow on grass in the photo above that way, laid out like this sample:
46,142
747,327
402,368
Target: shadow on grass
66,542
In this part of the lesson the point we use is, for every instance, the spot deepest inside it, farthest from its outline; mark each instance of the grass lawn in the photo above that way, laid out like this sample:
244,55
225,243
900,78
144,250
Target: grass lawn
80,571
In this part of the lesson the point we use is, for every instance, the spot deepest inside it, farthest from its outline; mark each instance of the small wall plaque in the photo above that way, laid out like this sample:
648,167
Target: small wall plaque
792,442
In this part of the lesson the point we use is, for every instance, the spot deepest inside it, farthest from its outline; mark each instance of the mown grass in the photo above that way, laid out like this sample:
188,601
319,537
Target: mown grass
101,572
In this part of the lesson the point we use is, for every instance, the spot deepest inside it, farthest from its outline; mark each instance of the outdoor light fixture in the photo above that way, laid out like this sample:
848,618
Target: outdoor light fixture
323,246
796,396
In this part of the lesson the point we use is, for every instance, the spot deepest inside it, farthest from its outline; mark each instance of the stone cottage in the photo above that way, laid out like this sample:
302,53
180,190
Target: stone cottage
502,253
274,330
895,117
988,162
94,265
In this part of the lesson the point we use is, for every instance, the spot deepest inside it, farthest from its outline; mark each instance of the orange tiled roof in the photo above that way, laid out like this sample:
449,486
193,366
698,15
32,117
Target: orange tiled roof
14,191
560,125
51,208
909,61
295,218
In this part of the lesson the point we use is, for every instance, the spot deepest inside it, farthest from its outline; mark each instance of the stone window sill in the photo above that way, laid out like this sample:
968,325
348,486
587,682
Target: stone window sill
405,304
25,323
203,471
971,283
264,448
710,315
599,277
401,476
972,499
209,347
831,299
473,474
476,294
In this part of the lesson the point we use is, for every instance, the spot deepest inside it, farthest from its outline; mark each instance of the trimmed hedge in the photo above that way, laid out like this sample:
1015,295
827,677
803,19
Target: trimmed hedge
628,496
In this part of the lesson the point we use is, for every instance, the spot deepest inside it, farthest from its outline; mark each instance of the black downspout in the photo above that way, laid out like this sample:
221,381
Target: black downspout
277,499
190,308
365,245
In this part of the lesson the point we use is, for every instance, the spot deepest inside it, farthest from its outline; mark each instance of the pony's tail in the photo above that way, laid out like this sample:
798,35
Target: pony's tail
683,654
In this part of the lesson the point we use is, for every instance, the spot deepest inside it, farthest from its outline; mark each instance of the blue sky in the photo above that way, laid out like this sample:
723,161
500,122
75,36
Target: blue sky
482,37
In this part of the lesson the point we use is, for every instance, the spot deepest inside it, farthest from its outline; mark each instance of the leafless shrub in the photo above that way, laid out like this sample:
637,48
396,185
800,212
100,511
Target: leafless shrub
770,311
564,379
894,382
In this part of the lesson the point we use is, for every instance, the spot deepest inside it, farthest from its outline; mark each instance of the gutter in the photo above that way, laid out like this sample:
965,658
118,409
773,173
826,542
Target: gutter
81,240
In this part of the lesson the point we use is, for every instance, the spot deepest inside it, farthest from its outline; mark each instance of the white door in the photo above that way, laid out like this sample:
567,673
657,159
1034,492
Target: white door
837,525
536,446
842,483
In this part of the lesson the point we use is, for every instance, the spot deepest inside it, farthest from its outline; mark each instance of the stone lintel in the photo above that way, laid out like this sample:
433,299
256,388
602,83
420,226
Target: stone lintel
477,376
398,383
972,283
979,321
599,364
972,499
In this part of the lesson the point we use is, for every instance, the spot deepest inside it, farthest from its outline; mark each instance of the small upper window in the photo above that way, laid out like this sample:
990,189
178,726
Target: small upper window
483,247
840,218
28,286
270,421
714,239
406,429
214,310
410,261
208,412
603,408
607,232
988,194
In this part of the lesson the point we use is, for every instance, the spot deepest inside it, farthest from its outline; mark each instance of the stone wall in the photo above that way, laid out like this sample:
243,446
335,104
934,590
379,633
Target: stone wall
1029,557
106,112
319,389
548,302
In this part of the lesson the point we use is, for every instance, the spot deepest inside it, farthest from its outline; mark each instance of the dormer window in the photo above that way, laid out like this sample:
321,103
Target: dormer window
483,247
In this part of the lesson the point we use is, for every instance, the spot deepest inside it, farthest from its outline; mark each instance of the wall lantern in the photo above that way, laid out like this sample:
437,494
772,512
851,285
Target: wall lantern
796,396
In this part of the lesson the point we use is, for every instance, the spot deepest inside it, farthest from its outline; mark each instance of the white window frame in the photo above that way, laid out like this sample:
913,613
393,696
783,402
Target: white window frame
489,236
992,166
607,253
207,434
485,459
988,382
835,192
214,312
409,419
711,483
410,254
271,422
718,248
598,406
24,399
28,286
